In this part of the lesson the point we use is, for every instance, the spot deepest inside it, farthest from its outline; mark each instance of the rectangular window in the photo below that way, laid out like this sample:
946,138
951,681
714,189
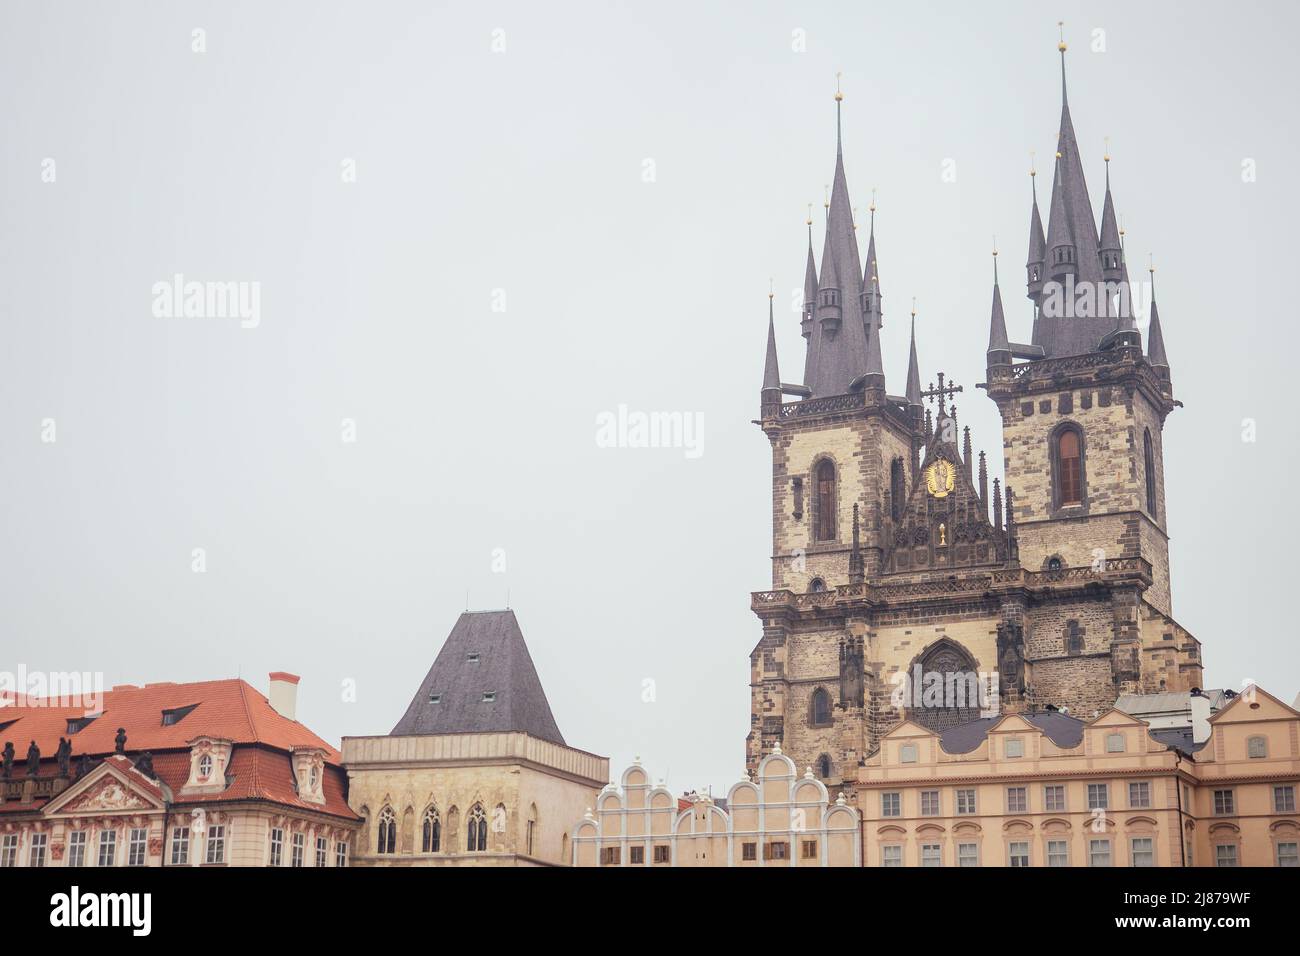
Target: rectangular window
636,855
1225,854
1098,796
609,856
299,841
217,843
1223,802
341,853
1099,853
277,847
891,855
1018,854
180,846
322,852
808,849
662,854
9,850
36,855
968,854
1114,743
77,848
1257,747
1139,795
776,851
1017,800
107,847
749,851
1058,853
1284,799
1054,797
890,805
1288,854
1143,849
907,753
1014,747
929,803
138,848
931,854
965,801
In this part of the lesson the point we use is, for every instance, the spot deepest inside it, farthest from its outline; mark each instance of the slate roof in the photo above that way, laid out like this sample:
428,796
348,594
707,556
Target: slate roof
1062,729
503,667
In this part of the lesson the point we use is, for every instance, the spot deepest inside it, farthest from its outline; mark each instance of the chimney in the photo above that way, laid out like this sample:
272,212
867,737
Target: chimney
1200,707
284,694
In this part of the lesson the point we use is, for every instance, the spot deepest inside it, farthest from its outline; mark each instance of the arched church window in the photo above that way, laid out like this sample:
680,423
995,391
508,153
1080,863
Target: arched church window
819,708
1149,458
1054,563
816,585
431,841
1068,466
825,478
387,831
824,766
476,829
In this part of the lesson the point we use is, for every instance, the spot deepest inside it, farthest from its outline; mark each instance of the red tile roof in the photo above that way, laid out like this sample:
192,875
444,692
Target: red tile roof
230,709
260,766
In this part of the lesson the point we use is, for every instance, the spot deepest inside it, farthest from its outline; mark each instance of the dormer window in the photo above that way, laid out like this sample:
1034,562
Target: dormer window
176,714
435,698
78,724
489,696
471,658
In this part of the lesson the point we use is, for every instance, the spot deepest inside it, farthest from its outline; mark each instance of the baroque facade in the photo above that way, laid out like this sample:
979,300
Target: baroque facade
894,563
200,774
476,772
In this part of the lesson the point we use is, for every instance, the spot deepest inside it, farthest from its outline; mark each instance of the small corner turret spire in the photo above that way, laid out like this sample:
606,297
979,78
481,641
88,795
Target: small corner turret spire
913,392
771,394
1155,337
999,350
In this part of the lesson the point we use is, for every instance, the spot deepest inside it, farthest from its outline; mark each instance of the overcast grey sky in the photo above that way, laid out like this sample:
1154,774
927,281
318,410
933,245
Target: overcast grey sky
517,178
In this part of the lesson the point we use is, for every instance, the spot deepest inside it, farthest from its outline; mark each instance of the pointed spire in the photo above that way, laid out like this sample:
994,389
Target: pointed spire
1110,247
913,367
845,350
810,273
1037,244
997,504
984,484
999,351
1072,244
771,373
1155,337
966,460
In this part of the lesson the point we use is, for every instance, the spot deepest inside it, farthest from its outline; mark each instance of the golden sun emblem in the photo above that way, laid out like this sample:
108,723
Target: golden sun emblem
940,478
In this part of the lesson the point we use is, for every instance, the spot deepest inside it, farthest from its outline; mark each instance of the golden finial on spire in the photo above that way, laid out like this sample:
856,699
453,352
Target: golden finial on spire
1106,156
1032,172
872,207
913,306
995,247
838,95
1060,26
1151,264
855,218
1121,225
808,221
1058,154
770,291
826,200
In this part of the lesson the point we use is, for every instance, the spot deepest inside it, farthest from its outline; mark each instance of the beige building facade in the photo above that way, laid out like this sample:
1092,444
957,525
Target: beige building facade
779,818
1045,789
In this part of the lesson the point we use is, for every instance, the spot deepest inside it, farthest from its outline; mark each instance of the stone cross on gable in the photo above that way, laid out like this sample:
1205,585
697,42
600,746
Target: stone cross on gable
942,392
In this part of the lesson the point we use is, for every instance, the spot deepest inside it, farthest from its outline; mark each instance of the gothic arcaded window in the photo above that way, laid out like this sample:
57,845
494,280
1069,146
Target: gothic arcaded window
387,842
825,500
476,829
1067,467
798,499
819,708
1149,457
431,837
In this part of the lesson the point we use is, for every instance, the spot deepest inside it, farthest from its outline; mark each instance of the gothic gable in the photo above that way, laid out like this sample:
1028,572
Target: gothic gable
942,528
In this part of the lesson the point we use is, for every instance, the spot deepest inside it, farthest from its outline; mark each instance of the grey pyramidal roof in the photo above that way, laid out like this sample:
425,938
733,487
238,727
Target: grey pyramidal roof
485,654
